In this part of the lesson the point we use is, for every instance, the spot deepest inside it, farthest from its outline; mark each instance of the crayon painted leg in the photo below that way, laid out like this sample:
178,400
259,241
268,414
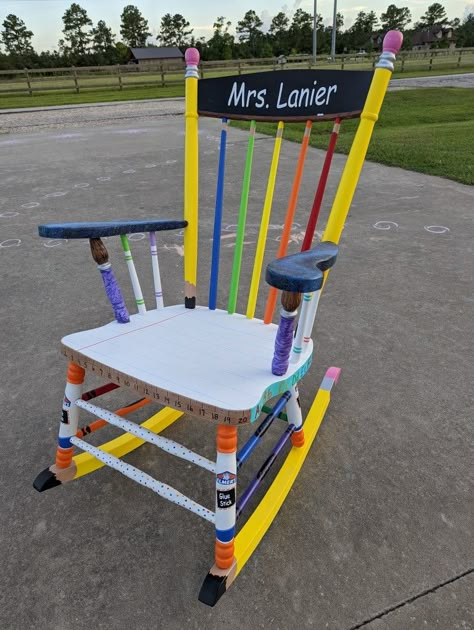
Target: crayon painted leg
64,469
226,485
293,411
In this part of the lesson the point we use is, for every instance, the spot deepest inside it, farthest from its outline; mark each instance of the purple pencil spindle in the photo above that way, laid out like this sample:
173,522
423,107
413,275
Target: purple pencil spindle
285,333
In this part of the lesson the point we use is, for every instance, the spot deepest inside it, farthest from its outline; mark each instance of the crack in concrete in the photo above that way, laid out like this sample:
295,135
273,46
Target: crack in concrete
410,600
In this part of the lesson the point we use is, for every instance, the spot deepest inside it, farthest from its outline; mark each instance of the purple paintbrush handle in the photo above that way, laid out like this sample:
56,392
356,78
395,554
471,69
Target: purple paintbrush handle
283,343
114,294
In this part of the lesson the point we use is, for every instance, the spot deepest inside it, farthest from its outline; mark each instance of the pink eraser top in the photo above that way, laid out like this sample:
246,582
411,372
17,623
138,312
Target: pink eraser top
192,56
392,42
334,373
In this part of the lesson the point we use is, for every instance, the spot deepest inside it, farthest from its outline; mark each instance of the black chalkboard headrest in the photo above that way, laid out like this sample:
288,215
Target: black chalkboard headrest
290,96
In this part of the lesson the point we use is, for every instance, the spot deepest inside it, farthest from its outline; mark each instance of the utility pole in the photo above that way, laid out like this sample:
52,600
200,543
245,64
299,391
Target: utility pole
334,29
315,32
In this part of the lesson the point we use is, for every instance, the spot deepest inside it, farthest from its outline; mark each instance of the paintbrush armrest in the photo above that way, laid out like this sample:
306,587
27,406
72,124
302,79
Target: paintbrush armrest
302,272
107,228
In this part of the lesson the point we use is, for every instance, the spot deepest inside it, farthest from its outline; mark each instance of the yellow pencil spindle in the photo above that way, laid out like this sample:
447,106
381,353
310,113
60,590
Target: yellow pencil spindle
383,72
262,235
191,178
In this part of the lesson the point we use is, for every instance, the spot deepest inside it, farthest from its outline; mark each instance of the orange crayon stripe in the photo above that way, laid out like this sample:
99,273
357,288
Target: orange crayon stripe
98,424
224,554
64,456
226,438
290,213
75,374
297,438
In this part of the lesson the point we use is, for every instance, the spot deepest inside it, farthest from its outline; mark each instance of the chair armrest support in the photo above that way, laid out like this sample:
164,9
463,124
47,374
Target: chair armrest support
302,272
107,228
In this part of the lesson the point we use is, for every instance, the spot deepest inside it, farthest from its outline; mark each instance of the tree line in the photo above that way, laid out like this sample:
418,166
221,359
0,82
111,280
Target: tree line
83,43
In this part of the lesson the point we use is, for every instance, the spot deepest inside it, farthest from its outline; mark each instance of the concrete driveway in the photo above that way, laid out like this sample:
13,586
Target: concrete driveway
377,532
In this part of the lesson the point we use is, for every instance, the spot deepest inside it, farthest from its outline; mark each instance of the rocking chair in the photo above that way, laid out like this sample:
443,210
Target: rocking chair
217,365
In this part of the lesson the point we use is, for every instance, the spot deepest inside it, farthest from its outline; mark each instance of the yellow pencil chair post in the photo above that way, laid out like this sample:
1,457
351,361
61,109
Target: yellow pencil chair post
225,368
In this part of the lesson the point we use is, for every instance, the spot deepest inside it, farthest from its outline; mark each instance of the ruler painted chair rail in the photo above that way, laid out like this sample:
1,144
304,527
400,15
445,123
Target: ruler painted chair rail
218,365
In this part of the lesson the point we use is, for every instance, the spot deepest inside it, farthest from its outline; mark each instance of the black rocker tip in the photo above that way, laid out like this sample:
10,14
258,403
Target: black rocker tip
45,480
212,589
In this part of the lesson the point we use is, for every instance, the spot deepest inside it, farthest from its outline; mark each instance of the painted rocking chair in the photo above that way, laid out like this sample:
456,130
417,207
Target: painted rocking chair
213,364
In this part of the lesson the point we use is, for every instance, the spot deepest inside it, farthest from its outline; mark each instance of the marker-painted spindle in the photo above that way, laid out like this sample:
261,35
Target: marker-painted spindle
137,290
302,327
156,271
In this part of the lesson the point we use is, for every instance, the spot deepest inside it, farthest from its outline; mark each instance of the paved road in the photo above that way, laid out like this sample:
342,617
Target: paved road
74,116
377,533
448,80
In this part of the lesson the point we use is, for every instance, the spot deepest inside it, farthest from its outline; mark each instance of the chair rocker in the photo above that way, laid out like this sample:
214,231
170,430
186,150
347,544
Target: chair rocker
217,365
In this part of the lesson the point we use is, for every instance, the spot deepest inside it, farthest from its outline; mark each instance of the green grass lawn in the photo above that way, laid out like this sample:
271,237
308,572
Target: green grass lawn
89,96
429,130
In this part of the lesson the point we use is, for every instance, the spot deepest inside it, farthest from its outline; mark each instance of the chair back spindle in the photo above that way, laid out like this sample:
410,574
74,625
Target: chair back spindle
289,217
216,239
239,243
306,96
297,348
265,220
137,290
323,178
156,271
191,178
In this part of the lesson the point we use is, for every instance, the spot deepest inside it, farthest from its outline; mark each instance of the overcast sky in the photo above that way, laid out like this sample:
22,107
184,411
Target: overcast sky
43,17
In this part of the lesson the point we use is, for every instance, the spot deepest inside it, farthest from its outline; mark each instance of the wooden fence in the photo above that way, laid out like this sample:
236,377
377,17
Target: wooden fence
120,77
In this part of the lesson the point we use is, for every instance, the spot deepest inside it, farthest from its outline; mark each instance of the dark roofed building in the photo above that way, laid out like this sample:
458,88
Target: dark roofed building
435,37
155,55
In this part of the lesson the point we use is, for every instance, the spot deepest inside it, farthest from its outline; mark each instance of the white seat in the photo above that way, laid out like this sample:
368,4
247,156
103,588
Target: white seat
221,367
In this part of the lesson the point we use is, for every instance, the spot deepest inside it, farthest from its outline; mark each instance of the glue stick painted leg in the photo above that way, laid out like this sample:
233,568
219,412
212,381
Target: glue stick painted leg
223,572
293,411
226,485
64,469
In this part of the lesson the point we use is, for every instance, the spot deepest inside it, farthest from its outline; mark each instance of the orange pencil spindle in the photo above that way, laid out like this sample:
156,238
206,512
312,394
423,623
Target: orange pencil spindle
290,213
